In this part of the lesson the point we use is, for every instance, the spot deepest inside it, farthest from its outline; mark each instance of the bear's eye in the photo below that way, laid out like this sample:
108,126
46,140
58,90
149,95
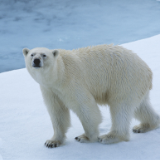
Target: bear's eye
32,55
44,56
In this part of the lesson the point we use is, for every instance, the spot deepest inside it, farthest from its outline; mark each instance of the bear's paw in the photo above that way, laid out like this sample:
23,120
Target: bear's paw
52,143
142,128
82,138
108,139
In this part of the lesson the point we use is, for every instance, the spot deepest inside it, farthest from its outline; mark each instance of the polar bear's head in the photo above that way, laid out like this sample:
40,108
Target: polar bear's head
39,61
39,58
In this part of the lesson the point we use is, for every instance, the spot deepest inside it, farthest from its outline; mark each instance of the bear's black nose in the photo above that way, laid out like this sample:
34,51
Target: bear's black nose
36,62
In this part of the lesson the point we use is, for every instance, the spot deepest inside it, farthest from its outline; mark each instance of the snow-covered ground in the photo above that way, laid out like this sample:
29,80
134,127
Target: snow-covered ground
25,124
72,24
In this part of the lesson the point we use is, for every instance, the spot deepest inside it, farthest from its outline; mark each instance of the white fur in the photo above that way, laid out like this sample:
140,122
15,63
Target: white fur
79,79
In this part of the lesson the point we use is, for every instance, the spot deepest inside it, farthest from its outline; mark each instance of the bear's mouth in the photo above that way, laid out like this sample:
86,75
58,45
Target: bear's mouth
36,66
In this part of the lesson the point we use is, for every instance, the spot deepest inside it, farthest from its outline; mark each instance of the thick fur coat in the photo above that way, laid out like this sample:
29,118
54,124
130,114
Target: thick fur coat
79,79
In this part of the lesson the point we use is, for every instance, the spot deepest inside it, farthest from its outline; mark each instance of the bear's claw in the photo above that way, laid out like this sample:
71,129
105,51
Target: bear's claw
142,128
82,139
52,144
76,138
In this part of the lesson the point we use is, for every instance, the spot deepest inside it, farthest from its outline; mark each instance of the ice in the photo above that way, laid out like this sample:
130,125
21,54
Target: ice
25,124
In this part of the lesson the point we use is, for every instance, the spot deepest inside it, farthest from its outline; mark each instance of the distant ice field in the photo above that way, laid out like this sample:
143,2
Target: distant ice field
72,24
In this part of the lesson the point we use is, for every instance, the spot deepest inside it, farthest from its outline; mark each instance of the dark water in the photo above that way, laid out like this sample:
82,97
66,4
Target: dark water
72,24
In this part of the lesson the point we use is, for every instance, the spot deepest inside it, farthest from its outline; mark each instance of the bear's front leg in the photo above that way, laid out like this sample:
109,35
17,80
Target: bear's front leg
59,115
84,105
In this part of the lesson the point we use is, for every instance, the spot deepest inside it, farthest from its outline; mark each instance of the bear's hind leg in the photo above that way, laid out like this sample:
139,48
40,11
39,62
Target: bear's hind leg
147,116
121,115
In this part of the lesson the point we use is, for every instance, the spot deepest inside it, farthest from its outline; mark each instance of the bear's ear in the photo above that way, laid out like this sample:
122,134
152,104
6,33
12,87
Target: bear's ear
25,51
55,53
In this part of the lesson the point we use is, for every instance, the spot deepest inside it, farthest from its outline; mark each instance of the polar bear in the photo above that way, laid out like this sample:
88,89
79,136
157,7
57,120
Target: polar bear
80,79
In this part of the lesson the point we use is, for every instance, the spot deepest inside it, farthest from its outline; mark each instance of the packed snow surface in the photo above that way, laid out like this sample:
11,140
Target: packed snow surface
72,24
25,124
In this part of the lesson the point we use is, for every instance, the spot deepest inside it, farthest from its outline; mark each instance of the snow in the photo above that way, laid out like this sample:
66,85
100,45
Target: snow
25,123
71,24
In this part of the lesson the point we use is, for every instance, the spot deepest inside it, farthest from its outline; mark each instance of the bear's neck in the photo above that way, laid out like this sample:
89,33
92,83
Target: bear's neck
55,75
60,70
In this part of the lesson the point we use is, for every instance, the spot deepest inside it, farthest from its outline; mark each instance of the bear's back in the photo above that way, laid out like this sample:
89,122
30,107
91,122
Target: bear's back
107,70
